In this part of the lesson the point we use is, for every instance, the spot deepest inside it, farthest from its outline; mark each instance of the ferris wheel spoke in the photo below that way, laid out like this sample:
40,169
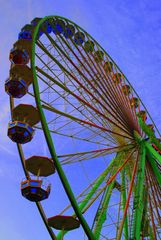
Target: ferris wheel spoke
83,61
81,156
103,213
74,106
111,88
113,112
82,196
75,137
76,80
108,91
116,184
156,201
62,96
114,87
83,101
97,195
84,122
153,152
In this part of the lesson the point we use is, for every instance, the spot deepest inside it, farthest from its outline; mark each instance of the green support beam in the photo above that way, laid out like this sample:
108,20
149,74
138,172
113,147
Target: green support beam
103,211
138,195
153,152
153,164
94,188
149,132
92,191
101,218
124,198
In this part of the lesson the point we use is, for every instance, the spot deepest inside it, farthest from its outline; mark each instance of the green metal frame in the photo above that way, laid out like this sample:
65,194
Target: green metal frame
149,133
145,146
103,211
138,195
150,154
124,198
92,191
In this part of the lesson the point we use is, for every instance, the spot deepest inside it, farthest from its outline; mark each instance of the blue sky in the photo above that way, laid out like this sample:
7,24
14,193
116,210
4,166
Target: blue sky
129,31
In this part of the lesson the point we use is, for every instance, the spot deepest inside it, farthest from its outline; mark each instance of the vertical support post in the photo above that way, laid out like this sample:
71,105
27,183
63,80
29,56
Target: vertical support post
104,206
103,211
96,185
138,195
91,192
154,154
124,198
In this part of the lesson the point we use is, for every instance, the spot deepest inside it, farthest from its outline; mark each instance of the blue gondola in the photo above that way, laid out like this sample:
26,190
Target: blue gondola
34,191
98,56
69,31
20,57
58,26
16,88
20,132
89,46
46,26
26,32
35,21
79,38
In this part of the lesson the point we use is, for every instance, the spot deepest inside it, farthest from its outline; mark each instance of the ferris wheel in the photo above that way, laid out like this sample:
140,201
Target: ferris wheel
108,147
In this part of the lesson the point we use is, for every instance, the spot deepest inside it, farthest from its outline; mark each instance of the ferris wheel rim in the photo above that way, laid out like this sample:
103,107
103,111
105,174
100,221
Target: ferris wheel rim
49,139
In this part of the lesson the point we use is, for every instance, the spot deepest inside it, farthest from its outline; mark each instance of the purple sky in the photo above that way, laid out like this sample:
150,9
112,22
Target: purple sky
129,32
